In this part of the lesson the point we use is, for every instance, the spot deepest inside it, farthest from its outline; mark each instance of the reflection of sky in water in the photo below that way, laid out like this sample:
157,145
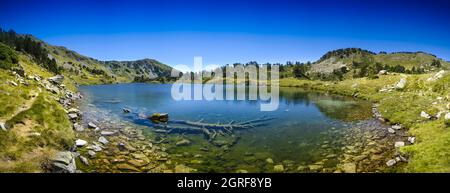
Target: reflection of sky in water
299,120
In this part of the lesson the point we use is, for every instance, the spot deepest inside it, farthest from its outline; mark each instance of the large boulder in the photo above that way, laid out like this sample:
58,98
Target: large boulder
64,162
58,79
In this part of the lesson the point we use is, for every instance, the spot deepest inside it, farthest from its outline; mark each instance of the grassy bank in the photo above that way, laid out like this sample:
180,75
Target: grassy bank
431,152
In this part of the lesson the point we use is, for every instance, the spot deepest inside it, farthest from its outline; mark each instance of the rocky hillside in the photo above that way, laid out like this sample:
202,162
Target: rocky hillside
356,62
82,69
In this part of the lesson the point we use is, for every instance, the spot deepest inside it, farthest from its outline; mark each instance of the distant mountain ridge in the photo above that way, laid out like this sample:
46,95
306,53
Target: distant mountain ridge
83,69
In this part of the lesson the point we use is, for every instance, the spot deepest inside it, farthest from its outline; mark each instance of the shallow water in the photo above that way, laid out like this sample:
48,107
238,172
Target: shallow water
304,130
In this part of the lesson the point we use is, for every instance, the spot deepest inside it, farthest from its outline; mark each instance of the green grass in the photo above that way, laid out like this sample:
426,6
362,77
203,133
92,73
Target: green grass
431,153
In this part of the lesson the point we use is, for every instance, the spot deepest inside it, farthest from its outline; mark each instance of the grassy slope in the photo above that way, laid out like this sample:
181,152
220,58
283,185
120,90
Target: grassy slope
20,149
431,153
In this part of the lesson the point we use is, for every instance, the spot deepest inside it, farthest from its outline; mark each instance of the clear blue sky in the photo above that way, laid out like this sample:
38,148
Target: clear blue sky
231,31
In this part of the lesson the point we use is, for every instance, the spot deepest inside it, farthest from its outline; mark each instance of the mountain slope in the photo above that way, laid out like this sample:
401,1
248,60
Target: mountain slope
358,62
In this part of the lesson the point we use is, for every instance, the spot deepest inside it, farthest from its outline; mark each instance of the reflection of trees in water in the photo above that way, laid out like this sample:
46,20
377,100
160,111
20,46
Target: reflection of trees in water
333,106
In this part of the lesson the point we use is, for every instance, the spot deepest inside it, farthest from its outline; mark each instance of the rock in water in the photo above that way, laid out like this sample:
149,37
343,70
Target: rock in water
73,116
401,84
397,127
349,168
278,168
125,110
58,79
183,142
64,162
80,143
183,169
425,115
103,140
78,127
2,126
92,125
159,117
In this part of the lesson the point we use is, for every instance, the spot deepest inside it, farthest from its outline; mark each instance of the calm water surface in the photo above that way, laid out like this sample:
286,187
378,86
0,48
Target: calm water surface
303,123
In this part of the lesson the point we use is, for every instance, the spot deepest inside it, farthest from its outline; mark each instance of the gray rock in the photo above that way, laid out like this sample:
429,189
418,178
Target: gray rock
447,119
2,126
92,125
73,110
399,144
58,79
91,153
390,130
13,83
64,162
107,133
95,148
396,127
401,84
72,116
425,115
269,160
125,110
349,168
80,143
391,163
411,139
78,127
382,72
103,140
437,76
84,160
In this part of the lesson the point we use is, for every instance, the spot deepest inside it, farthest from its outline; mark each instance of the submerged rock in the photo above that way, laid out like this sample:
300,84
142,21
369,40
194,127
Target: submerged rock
92,125
78,127
159,117
103,140
269,160
183,142
278,168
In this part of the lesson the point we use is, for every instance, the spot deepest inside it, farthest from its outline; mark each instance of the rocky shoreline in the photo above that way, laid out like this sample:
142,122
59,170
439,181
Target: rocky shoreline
105,144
